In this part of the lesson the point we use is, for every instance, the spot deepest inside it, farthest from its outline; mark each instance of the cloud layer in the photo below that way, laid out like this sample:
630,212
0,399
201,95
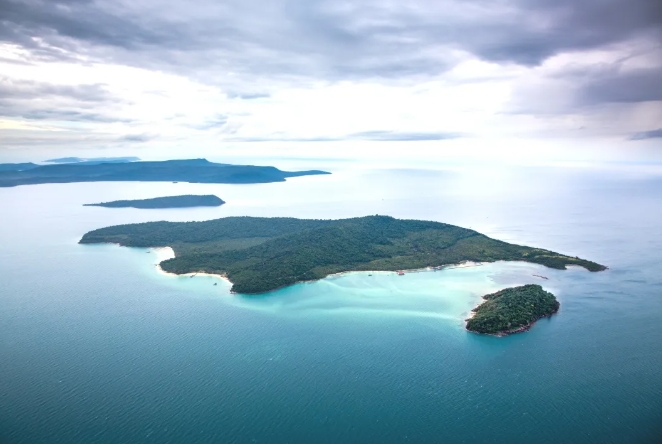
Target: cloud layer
652,134
123,72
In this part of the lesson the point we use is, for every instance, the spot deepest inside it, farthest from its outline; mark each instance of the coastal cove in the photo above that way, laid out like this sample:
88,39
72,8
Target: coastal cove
166,253
100,347
400,293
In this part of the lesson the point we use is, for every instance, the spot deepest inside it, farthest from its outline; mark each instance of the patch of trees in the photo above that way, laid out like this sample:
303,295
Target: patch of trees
512,310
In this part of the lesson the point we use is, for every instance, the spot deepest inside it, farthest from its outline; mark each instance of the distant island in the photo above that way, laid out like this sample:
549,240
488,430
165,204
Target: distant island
93,160
192,170
17,166
185,201
262,254
512,310
66,160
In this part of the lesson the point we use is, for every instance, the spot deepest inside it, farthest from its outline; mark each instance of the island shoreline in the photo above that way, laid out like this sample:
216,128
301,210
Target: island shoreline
521,329
171,255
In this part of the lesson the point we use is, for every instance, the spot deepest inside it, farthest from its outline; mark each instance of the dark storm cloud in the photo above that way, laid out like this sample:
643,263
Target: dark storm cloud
634,77
84,20
542,28
616,86
43,101
22,89
323,38
652,134
251,48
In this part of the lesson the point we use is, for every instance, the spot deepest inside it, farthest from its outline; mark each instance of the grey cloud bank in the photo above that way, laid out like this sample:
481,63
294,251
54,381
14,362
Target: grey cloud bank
253,49
323,38
652,134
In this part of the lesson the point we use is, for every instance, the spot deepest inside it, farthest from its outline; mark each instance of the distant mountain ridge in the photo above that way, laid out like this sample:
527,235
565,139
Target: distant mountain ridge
91,160
189,170
17,166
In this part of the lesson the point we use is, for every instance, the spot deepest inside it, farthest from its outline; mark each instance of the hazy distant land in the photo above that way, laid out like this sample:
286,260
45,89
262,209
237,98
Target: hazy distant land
262,254
66,160
192,170
184,201
17,166
93,160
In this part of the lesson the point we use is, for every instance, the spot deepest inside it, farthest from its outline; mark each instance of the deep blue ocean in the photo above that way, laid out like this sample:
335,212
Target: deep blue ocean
97,347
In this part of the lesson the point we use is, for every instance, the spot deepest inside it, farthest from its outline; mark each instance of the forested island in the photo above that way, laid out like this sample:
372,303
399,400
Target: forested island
184,201
262,254
512,310
192,170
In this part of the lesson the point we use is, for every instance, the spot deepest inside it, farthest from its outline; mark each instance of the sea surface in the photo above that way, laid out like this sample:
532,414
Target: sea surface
96,346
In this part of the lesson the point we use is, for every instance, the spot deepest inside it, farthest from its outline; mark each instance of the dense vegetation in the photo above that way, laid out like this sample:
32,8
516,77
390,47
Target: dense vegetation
193,170
189,200
512,310
262,254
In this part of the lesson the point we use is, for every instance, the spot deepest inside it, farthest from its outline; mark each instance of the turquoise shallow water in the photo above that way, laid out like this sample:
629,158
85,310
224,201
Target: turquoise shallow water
97,347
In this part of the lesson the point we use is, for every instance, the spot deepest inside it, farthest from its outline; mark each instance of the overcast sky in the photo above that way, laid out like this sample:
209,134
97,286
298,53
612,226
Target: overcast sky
136,74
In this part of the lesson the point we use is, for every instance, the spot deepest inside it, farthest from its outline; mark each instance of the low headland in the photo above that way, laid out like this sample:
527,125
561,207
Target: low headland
188,170
512,310
185,201
260,254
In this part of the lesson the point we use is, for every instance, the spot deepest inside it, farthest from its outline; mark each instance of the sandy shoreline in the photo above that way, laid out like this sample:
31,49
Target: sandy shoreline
466,264
197,273
165,253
